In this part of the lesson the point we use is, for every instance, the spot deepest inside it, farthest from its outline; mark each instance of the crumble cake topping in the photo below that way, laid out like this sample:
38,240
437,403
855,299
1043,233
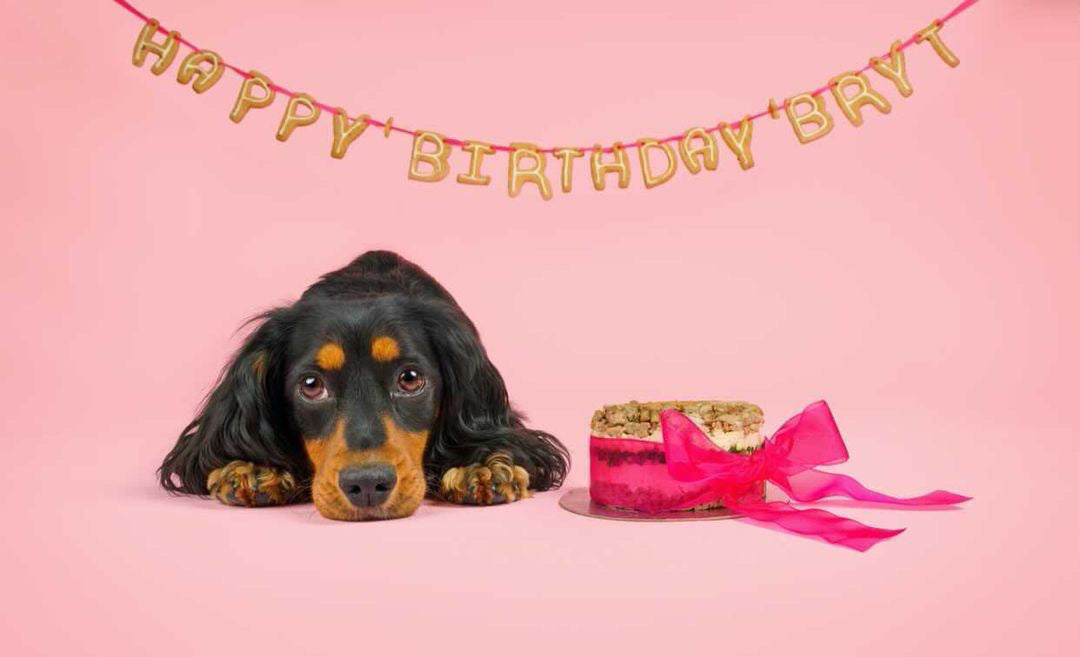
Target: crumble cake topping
731,425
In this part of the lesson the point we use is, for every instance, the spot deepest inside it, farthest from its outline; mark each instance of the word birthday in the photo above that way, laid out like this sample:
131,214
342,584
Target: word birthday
697,149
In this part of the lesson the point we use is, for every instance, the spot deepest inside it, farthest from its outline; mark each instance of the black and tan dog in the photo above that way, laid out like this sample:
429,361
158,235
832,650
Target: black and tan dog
366,394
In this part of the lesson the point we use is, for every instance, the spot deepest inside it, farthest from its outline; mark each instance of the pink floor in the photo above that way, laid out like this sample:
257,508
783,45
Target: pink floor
920,272
119,568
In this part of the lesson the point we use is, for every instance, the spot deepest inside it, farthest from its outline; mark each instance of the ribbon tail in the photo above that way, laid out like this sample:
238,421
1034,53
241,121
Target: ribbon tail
812,485
817,522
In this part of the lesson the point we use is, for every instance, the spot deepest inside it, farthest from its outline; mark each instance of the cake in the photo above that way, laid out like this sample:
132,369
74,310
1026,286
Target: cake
627,460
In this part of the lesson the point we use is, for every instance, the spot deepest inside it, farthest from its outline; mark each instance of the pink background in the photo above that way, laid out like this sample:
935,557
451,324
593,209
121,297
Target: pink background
920,272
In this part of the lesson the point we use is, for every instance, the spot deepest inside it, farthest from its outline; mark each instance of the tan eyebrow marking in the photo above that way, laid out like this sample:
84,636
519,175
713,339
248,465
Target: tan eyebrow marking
330,356
384,348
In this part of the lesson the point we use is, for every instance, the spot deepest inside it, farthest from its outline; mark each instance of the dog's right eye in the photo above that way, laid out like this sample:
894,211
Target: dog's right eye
313,388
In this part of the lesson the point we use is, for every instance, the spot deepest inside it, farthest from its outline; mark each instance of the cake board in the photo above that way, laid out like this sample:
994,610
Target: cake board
577,500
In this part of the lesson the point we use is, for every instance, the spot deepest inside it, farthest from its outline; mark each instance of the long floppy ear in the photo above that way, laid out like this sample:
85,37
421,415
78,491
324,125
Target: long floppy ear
475,416
244,418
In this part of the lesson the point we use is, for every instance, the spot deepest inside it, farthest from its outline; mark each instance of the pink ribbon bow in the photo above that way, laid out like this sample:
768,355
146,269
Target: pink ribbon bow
787,459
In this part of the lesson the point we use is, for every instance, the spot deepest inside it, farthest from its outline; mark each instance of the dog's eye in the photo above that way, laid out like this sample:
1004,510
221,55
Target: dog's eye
312,388
410,381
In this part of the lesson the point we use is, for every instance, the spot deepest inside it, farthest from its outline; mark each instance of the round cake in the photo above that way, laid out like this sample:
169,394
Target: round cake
627,467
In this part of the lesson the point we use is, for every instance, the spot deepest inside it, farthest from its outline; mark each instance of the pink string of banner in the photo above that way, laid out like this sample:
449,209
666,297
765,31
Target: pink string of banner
389,127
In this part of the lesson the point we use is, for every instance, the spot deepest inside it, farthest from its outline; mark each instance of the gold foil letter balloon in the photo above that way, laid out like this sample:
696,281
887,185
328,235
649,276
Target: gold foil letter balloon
165,51
476,150
599,168
739,142
293,119
519,174
895,69
436,160
346,131
864,95
817,116
192,67
248,99
651,179
931,34
567,156
706,153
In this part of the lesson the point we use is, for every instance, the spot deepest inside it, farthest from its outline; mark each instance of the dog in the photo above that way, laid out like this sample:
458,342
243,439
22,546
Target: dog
367,394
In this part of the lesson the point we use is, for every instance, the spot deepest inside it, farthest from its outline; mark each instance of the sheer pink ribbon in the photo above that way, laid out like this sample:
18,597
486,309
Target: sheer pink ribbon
787,459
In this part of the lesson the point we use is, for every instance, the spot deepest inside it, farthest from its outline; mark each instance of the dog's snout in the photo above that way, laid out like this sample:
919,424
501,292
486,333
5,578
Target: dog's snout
367,485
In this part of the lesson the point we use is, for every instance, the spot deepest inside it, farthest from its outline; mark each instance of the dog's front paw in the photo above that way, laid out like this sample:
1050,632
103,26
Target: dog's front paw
495,481
245,484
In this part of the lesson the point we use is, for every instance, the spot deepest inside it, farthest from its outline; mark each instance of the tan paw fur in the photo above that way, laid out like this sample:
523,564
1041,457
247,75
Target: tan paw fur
245,484
495,481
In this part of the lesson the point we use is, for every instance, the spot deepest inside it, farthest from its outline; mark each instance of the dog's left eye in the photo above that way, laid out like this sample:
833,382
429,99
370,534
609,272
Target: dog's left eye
410,381
313,388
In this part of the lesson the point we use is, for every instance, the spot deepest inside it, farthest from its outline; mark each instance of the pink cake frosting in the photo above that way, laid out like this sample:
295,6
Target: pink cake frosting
627,463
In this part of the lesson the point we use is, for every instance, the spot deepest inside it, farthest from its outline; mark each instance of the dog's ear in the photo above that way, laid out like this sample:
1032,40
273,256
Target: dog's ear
244,418
475,415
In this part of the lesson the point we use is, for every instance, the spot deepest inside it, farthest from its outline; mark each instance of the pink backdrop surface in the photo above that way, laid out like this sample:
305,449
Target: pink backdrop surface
920,272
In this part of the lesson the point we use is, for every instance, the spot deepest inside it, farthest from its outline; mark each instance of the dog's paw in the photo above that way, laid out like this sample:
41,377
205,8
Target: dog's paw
245,484
495,481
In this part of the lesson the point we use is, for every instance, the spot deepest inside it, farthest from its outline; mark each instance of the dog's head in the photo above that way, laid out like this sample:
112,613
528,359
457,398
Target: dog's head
356,396
363,383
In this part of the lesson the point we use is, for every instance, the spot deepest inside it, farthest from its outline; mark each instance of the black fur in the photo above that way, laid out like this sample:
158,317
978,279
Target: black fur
249,416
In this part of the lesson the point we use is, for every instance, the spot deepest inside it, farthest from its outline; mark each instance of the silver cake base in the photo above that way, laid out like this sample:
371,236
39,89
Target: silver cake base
577,500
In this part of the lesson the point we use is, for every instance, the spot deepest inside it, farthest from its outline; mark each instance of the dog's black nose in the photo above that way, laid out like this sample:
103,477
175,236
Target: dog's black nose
367,485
